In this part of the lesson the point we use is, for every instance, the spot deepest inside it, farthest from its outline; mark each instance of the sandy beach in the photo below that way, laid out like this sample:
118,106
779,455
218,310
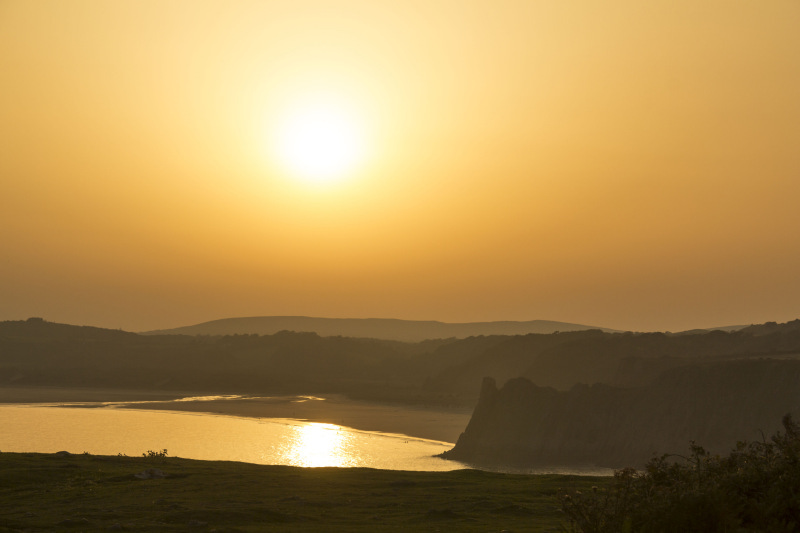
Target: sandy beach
435,424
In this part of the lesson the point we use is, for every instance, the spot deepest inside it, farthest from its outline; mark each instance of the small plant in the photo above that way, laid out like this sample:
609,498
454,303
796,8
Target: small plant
150,454
754,488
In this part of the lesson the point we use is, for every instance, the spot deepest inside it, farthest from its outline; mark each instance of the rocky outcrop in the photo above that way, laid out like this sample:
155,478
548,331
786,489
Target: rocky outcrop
714,405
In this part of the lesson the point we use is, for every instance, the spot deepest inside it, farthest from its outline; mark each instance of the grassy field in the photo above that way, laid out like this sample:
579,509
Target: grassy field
52,492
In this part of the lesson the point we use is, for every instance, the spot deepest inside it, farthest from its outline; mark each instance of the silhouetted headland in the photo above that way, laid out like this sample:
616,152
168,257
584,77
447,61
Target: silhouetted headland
714,405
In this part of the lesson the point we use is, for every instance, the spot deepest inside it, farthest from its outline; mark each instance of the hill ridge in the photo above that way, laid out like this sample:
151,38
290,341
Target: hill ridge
378,328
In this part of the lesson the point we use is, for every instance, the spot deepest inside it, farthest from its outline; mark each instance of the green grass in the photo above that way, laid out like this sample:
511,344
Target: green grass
47,492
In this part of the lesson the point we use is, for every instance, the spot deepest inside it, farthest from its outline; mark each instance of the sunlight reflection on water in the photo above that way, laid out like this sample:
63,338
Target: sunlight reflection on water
319,444
109,431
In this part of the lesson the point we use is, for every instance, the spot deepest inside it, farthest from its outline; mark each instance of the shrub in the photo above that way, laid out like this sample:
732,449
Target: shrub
754,488
150,454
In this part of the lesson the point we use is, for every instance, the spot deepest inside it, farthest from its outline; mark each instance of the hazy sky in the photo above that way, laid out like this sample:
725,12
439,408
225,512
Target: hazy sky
626,164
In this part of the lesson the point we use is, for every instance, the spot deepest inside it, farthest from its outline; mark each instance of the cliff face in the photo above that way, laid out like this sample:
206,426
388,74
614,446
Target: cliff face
714,405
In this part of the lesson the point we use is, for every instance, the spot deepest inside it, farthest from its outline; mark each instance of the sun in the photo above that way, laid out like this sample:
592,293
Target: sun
319,141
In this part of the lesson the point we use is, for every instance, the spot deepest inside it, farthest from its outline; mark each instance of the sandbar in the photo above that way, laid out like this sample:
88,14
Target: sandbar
440,424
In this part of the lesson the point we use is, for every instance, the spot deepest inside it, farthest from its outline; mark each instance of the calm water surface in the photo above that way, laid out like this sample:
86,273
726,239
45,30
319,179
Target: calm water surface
107,430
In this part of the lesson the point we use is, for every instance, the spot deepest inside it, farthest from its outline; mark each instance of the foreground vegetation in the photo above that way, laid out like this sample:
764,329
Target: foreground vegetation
754,488
52,492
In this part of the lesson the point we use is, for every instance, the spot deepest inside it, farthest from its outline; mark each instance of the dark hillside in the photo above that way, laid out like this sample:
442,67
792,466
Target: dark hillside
564,359
43,353
444,371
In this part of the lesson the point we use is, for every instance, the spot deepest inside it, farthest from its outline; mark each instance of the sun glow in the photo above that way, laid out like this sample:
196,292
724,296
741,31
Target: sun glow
320,141
318,444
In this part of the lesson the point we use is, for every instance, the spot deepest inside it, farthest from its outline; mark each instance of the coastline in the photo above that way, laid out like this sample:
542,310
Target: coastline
437,424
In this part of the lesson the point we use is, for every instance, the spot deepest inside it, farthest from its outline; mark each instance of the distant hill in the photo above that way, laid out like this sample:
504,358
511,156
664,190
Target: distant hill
373,328
706,330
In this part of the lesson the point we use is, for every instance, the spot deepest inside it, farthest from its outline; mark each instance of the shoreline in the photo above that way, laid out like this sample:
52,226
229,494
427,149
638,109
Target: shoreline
444,425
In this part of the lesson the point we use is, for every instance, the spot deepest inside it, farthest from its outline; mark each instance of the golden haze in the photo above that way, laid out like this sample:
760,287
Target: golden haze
623,164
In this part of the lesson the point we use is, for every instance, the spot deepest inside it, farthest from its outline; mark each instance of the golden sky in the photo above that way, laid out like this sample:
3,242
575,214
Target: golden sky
626,164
